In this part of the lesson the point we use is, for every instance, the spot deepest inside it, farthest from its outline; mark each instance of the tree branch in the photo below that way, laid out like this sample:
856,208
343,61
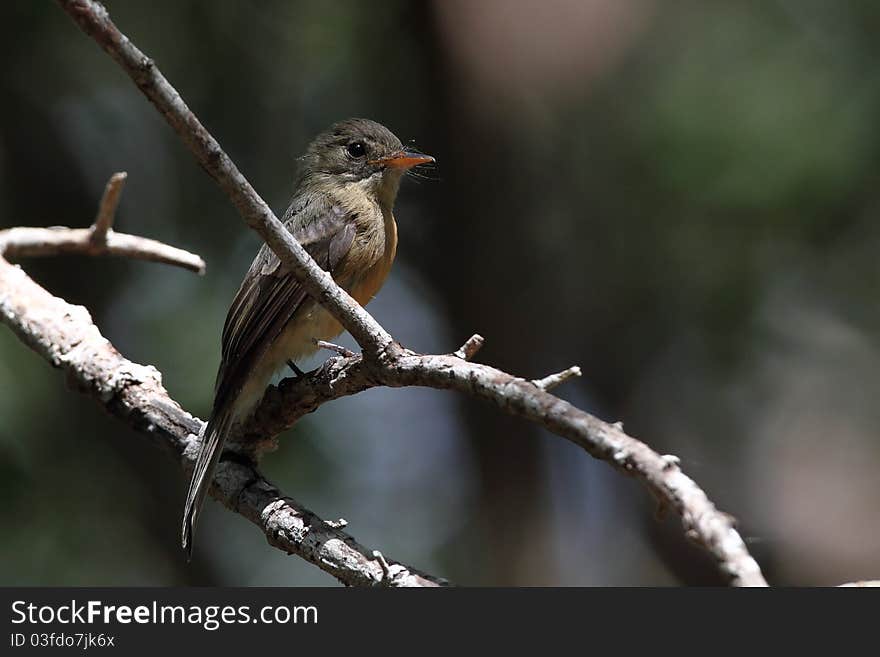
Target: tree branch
19,242
65,336
99,239
553,380
470,348
107,207
389,364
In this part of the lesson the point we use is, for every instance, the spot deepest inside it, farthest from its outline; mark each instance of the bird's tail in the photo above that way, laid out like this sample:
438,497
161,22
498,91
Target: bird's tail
209,454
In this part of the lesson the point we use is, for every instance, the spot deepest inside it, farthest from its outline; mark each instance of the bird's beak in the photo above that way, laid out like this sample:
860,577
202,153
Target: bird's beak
404,160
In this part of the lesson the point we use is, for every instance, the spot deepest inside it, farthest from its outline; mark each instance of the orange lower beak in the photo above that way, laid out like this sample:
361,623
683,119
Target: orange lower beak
404,160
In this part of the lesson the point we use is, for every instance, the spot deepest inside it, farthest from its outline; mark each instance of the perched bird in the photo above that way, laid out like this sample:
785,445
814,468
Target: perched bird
341,213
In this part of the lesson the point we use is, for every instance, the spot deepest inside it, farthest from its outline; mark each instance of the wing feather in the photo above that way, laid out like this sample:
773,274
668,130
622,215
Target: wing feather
269,297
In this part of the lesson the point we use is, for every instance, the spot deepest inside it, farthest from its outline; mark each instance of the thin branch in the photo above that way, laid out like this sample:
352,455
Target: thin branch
107,208
470,348
389,364
553,380
99,239
56,240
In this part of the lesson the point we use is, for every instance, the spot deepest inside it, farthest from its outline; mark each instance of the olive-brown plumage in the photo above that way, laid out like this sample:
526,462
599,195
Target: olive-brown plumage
341,213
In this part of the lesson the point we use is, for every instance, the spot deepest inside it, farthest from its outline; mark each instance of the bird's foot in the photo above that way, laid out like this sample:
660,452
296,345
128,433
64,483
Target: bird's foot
297,372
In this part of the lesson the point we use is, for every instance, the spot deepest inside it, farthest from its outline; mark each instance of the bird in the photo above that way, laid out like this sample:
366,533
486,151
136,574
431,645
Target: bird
341,213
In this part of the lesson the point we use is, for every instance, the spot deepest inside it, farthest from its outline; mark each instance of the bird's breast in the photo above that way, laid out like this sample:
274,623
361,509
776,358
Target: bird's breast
368,278
361,273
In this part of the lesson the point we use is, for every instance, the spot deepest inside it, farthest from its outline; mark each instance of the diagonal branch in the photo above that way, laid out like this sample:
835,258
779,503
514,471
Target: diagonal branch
553,380
387,363
710,528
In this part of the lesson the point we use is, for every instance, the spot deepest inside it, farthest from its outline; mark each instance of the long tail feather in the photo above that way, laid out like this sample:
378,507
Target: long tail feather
203,473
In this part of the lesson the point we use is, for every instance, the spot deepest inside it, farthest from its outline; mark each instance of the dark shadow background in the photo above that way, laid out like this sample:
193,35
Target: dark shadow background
681,197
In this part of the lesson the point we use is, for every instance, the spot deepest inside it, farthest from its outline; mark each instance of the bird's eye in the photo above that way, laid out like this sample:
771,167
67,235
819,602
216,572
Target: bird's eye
356,149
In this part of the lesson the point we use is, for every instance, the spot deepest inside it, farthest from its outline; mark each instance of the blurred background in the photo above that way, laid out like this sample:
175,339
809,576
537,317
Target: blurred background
681,197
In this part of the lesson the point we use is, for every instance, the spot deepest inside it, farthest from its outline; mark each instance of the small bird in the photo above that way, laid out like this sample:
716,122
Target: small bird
341,213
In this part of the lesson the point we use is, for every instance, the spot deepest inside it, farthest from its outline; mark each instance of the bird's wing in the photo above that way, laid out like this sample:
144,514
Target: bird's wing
269,296
265,302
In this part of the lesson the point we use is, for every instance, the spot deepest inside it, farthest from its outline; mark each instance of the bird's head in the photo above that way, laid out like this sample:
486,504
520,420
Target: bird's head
363,152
